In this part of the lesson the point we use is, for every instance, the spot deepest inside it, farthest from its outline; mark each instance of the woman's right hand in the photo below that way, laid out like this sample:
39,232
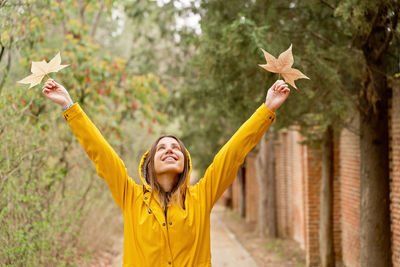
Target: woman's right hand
57,93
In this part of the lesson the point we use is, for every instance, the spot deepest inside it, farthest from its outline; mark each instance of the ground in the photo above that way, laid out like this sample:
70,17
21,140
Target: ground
266,252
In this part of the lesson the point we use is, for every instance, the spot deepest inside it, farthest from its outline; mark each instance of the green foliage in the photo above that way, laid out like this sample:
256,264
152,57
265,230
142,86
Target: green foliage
223,84
32,223
323,51
46,186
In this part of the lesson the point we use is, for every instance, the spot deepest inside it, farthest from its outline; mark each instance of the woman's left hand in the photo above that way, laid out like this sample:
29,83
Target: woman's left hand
276,95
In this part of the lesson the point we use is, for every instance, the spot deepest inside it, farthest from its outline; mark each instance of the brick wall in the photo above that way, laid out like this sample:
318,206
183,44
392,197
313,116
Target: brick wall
251,188
337,208
235,195
289,181
298,172
350,195
394,143
281,184
297,178
312,203
290,173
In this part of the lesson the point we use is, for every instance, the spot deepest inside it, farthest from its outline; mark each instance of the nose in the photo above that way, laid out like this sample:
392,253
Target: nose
169,150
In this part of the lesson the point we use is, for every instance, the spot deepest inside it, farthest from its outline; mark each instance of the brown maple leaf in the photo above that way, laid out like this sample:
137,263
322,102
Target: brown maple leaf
283,65
41,68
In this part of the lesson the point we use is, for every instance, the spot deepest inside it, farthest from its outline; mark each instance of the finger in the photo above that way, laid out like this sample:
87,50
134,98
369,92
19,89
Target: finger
276,83
279,82
46,91
281,87
47,85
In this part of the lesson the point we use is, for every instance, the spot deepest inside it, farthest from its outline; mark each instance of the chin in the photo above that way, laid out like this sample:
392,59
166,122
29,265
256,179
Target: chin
174,170
171,169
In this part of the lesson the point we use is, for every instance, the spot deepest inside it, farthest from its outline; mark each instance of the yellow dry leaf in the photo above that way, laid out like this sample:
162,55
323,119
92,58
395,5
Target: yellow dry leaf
283,65
41,68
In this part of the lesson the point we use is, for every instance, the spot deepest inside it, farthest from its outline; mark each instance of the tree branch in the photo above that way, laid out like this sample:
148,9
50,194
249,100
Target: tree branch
2,50
2,3
82,8
96,19
389,36
327,4
322,38
8,66
63,20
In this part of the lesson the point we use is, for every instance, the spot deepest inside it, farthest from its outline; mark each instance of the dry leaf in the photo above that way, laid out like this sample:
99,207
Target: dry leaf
283,65
41,68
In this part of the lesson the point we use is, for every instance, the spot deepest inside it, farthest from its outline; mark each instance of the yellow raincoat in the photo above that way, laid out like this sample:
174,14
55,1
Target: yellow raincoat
179,237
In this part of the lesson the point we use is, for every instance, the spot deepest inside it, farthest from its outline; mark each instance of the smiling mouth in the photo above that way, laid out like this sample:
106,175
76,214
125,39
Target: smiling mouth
170,159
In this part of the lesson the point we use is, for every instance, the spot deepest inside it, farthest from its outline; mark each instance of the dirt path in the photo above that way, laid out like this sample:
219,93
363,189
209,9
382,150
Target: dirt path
267,252
225,249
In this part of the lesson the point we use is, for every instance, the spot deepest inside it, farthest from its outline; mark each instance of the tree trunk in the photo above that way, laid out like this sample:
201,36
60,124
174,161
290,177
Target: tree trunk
375,247
242,192
326,248
228,198
374,210
265,170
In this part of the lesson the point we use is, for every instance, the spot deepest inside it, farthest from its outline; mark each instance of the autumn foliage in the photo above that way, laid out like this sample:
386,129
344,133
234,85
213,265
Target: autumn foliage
50,196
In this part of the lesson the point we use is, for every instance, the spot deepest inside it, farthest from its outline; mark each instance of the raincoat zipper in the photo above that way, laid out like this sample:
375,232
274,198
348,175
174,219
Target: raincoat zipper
165,213
166,225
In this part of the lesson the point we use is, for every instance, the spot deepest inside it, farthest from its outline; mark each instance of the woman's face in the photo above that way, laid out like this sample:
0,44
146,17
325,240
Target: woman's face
168,157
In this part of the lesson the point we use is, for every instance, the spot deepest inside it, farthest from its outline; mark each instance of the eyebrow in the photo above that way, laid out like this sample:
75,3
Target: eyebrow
163,144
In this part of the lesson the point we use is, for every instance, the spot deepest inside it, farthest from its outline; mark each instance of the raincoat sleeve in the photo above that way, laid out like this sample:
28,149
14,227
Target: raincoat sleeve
222,171
108,165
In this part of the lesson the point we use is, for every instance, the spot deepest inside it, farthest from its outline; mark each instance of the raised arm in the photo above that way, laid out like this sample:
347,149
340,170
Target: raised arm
108,165
222,171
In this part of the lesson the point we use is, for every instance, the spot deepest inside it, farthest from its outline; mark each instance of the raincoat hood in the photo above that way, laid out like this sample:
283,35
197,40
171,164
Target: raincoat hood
143,172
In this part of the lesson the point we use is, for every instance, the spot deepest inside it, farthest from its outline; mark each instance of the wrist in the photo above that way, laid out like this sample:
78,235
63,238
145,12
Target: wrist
67,104
270,106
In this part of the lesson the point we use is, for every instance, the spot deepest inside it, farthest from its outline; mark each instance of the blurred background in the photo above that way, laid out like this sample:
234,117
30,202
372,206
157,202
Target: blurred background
190,67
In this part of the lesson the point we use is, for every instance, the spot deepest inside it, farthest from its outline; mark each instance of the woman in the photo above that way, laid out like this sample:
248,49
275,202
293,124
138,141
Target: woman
167,221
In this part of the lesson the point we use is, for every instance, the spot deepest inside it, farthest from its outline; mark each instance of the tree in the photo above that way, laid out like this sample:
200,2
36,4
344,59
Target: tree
226,83
42,169
223,81
372,25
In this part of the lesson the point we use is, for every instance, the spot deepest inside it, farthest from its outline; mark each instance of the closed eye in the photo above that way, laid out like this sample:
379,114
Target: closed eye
177,147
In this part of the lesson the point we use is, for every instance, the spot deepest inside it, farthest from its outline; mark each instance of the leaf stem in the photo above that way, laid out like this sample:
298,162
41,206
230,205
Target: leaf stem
279,76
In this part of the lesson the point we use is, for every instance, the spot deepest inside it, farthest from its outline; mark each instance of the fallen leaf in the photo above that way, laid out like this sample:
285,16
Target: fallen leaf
283,65
40,69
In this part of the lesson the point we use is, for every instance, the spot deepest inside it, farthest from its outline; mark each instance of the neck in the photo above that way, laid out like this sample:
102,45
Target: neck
167,181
